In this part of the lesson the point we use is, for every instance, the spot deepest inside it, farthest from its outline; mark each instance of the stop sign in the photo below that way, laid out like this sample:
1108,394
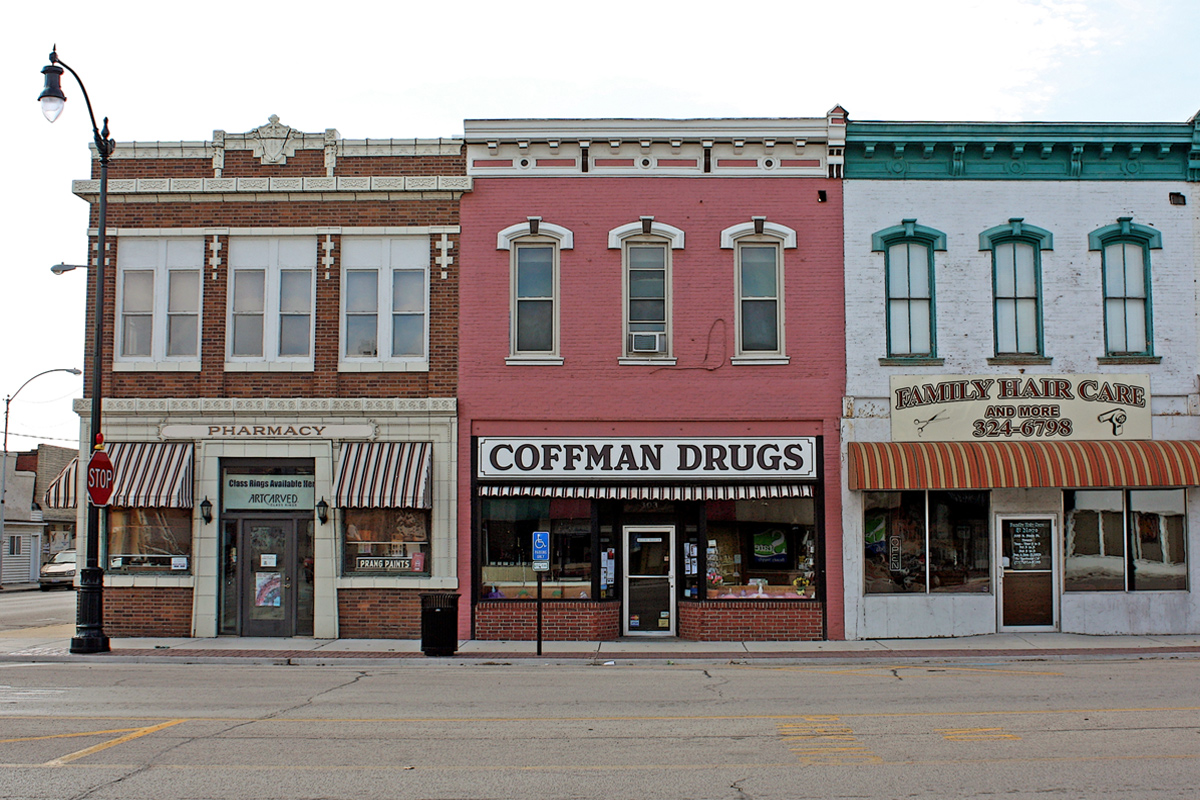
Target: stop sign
100,478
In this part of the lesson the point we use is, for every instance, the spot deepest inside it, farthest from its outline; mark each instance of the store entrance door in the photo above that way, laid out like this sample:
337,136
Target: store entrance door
649,605
276,577
1028,600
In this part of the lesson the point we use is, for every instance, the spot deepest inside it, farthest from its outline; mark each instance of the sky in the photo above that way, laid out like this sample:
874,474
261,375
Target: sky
178,71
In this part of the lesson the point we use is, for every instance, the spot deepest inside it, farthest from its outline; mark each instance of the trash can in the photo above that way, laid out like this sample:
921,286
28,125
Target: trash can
439,623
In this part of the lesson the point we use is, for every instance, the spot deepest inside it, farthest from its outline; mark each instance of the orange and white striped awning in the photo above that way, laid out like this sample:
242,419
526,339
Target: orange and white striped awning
675,493
62,491
1019,465
385,475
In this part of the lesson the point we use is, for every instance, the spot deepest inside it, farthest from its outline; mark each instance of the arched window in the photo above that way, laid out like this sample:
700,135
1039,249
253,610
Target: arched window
534,295
1017,286
646,248
1125,275
758,248
909,287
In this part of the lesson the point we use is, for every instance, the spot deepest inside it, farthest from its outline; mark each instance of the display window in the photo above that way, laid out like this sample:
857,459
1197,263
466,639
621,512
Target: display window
507,526
149,540
925,542
761,549
1125,540
385,541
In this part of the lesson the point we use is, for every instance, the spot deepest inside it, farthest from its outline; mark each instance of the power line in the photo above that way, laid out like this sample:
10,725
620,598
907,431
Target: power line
43,438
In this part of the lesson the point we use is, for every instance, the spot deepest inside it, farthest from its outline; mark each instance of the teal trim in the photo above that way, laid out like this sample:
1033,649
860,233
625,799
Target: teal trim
1125,228
907,229
1016,229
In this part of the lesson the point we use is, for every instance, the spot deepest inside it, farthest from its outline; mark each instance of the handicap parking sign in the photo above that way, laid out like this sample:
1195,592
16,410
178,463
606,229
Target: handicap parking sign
541,545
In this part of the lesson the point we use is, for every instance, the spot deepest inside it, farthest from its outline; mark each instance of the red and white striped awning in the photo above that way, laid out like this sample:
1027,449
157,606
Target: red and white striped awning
996,465
62,491
677,493
385,475
151,474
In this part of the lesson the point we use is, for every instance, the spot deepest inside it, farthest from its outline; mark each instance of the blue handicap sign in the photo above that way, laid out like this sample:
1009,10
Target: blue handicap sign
541,545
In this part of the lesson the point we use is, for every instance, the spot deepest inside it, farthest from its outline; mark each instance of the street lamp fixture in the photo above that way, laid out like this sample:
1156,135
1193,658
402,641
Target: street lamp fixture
59,269
89,614
4,464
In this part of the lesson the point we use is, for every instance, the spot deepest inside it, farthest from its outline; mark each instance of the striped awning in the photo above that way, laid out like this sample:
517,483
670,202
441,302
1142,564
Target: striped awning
680,493
63,489
385,475
151,474
999,465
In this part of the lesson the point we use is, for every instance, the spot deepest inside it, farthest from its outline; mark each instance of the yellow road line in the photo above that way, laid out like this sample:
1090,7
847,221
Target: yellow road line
111,743
68,735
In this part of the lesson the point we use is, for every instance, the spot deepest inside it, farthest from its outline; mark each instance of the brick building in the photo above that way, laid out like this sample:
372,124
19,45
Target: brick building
650,378
280,370
1022,408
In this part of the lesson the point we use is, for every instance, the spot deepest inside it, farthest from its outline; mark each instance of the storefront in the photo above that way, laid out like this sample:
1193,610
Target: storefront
701,538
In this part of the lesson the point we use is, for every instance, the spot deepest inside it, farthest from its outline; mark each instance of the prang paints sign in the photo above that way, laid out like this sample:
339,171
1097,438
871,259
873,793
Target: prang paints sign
647,459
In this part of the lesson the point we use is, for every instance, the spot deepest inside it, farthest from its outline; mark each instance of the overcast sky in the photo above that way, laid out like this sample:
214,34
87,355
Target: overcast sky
177,71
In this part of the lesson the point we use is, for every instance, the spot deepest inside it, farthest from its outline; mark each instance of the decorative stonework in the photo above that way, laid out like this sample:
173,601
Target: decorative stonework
228,406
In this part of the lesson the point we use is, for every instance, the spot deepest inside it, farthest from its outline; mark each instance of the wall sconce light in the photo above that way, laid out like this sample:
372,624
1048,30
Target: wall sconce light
206,511
822,195
323,511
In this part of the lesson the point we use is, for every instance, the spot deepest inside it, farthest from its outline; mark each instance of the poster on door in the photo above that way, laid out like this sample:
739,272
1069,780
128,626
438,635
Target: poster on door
268,589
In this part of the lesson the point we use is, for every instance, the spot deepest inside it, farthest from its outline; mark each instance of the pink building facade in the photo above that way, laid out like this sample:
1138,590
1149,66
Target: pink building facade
651,369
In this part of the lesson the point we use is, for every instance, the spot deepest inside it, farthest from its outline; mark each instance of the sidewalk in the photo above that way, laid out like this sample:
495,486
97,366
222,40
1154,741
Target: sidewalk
51,643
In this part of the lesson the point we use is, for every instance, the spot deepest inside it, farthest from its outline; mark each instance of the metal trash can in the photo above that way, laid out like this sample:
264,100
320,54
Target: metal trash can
439,623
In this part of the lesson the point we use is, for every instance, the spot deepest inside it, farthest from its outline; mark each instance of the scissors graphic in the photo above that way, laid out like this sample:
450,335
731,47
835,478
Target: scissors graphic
922,424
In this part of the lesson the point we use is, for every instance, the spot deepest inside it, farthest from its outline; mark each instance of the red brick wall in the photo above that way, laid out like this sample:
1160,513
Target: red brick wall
516,620
147,611
304,164
379,613
762,621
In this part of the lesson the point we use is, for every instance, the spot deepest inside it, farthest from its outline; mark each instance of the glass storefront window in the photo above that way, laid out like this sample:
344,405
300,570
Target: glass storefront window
761,549
150,540
385,541
926,542
506,546
1125,540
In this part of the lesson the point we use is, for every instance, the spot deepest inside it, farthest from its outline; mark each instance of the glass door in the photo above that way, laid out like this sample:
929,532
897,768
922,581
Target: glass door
649,606
276,571
1028,600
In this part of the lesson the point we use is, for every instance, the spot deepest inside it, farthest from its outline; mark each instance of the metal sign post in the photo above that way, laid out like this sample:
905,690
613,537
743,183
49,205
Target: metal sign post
541,565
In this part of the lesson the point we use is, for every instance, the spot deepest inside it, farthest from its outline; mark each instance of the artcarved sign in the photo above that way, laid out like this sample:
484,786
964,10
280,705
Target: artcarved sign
646,459
965,408
296,430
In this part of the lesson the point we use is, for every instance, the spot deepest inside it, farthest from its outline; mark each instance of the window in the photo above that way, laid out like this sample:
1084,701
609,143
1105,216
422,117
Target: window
1125,266
159,293
920,542
1017,285
534,248
909,287
386,541
1125,540
506,547
385,298
647,278
271,304
14,545
149,539
761,549
758,287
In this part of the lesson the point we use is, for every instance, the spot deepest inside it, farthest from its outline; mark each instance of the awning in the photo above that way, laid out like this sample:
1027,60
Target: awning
699,492
62,490
151,474
385,475
1000,465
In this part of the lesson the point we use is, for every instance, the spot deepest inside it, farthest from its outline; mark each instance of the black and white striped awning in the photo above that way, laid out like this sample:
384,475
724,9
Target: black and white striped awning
151,474
678,493
385,475
63,489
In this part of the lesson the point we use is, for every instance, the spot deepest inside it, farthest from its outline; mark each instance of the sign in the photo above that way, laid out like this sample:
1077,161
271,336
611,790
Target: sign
296,431
1027,543
541,551
973,408
244,492
101,478
647,459
412,563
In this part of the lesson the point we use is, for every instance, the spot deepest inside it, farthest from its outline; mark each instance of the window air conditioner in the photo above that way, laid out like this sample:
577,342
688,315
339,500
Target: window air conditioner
647,342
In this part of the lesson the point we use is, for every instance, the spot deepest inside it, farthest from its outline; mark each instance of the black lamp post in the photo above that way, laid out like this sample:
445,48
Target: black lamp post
89,613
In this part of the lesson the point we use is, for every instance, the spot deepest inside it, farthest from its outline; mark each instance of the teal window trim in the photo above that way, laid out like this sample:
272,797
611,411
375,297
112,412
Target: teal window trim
931,239
1017,232
1145,238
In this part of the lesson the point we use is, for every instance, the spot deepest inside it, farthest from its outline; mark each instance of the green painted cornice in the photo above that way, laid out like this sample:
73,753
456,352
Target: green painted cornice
1161,151
907,229
1125,229
1016,228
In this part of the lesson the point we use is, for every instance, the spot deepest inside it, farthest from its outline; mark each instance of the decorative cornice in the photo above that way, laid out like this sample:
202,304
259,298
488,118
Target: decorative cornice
255,406
907,229
88,189
1016,228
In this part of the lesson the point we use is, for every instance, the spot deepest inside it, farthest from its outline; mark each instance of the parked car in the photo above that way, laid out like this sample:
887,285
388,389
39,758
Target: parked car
58,571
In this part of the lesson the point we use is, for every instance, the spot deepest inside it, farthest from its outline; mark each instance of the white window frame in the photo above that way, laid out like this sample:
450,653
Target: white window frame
534,232
646,231
167,250
759,232
270,360
385,271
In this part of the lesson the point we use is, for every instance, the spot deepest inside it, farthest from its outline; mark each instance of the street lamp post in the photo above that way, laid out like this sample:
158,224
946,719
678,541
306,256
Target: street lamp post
89,615
4,469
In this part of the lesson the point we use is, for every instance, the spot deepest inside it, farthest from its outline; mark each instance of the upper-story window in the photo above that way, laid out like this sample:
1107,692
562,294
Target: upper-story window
1017,285
159,294
385,301
646,248
1125,258
758,248
534,300
909,287
272,286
